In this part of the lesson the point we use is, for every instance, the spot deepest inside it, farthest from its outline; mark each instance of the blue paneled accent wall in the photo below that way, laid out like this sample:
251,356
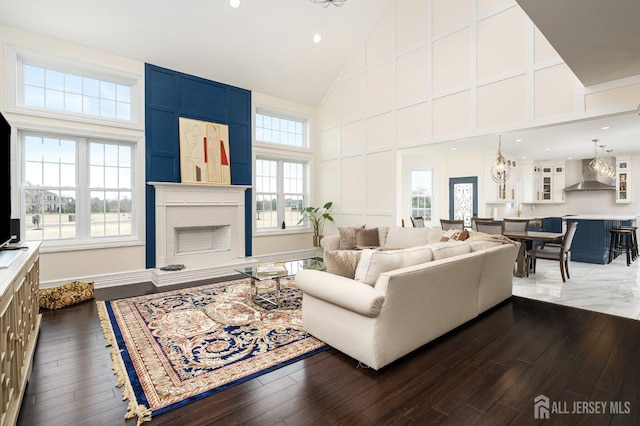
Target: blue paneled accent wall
170,95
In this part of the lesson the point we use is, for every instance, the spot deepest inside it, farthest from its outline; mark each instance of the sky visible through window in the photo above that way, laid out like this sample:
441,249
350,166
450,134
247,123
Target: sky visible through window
50,89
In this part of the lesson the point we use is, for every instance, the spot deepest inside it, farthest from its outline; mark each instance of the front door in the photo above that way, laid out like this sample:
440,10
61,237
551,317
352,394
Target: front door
463,199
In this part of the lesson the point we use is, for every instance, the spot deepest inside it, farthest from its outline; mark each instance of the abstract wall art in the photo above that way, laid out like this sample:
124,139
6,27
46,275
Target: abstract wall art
204,152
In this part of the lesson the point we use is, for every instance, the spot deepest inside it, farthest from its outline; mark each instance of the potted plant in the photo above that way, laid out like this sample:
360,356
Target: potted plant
317,216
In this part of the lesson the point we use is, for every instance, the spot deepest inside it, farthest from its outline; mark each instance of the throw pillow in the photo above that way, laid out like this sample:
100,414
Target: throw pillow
342,262
454,234
448,235
461,236
373,263
67,294
367,238
348,237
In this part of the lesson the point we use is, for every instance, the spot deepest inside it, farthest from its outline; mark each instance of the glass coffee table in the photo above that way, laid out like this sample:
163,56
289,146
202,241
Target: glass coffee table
264,274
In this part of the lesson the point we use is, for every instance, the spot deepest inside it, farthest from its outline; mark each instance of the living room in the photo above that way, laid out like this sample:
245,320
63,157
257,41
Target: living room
427,76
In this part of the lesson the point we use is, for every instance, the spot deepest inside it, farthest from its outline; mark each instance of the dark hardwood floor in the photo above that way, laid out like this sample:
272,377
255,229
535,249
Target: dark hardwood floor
485,372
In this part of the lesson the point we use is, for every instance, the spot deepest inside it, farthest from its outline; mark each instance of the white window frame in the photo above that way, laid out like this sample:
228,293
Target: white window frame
409,193
287,153
17,56
83,239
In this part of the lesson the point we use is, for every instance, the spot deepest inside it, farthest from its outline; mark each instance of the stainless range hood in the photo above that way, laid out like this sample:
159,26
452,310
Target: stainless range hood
591,181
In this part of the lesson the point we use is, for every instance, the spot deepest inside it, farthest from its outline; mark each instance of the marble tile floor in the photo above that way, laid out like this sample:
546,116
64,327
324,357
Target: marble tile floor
611,289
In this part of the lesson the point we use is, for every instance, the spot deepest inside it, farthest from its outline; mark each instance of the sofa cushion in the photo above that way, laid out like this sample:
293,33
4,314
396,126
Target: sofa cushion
435,234
373,263
400,238
449,249
342,262
367,238
348,237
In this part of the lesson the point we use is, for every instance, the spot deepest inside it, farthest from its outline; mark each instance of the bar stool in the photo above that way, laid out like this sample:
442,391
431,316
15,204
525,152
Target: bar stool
620,243
634,240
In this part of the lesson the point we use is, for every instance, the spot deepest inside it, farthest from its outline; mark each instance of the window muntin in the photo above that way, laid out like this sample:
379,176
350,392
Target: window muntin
280,192
421,193
110,182
51,89
281,130
59,204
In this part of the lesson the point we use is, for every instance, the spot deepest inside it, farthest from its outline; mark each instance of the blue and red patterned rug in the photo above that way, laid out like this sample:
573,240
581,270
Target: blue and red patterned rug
173,348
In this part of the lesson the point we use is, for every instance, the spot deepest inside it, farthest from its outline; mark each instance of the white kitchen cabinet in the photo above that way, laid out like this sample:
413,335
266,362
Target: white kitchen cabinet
624,180
542,182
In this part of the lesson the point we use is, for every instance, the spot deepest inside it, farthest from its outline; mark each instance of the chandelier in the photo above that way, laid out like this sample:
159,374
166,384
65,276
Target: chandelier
500,170
326,3
599,165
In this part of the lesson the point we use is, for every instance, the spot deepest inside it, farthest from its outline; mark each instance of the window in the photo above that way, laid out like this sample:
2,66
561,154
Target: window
279,130
281,170
64,91
421,193
280,192
76,188
51,86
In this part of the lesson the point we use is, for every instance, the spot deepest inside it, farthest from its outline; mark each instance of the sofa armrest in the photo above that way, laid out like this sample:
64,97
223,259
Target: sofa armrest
344,292
330,242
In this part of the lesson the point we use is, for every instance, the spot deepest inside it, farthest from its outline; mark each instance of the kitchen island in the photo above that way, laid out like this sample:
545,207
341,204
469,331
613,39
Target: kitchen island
591,241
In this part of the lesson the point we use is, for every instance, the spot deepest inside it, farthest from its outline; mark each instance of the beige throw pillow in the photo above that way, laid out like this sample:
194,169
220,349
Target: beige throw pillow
342,262
367,238
348,237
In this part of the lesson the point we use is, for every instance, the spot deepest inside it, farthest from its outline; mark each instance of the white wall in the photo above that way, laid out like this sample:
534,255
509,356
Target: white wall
435,71
59,264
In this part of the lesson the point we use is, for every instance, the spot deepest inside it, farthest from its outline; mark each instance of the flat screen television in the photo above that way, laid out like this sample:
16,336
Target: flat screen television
5,181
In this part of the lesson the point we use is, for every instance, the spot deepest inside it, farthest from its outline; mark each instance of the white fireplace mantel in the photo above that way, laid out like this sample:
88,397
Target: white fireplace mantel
180,204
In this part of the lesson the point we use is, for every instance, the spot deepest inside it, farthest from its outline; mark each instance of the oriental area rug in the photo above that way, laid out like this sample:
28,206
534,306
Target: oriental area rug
173,348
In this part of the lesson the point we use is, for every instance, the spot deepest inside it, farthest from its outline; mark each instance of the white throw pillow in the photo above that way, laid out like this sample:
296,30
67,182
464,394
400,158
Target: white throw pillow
400,238
373,263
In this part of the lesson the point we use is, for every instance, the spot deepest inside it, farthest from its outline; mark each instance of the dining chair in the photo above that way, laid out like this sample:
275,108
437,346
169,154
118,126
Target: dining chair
562,254
417,221
448,224
494,227
515,225
475,220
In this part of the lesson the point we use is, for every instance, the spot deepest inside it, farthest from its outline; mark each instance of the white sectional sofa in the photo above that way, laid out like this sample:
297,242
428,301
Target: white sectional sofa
382,314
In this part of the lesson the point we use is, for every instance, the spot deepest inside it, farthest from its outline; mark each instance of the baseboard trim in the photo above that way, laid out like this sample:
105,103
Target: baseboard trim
161,278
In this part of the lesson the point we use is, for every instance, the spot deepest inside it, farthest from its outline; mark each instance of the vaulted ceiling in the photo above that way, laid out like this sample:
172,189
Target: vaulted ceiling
263,45
266,46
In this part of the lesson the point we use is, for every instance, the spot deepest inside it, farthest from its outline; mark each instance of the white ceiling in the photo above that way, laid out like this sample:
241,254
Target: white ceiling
598,39
266,46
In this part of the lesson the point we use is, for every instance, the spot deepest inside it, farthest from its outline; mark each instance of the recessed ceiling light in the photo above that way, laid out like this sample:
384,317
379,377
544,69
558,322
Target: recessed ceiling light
453,148
518,140
234,3
547,149
569,158
316,38
605,127
524,157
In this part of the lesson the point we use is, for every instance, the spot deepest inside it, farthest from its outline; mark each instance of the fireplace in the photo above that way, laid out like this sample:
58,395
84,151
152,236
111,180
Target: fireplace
200,226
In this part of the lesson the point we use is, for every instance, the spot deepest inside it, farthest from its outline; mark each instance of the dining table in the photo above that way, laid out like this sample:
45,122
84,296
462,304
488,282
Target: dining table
522,237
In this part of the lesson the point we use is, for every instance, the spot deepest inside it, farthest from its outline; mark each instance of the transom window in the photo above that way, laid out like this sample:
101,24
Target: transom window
64,91
280,130
76,188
